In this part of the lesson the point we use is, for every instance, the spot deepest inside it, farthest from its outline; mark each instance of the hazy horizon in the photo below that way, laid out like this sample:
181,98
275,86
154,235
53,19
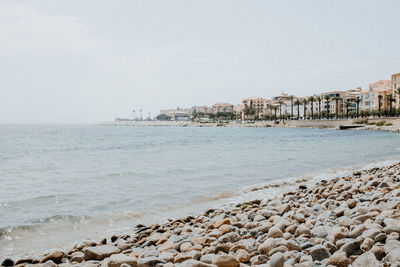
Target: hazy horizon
86,62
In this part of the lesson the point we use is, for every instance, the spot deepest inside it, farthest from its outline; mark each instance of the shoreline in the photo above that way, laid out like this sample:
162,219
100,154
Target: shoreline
123,221
232,238
315,124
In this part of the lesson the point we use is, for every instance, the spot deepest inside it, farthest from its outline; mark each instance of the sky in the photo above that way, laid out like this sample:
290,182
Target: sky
91,61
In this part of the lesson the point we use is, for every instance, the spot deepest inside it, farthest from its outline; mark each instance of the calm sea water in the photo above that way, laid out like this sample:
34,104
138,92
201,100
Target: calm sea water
61,184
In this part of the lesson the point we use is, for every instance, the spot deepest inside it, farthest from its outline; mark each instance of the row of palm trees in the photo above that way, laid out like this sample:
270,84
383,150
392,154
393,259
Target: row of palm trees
318,100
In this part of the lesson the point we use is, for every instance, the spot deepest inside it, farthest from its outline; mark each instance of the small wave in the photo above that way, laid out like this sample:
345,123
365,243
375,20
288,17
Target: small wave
44,197
6,231
31,200
317,176
36,223
278,184
218,196
120,174
64,223
67,221
60,218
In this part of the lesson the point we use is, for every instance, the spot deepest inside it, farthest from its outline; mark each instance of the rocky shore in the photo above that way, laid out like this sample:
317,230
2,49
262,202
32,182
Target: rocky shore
346,221
393,126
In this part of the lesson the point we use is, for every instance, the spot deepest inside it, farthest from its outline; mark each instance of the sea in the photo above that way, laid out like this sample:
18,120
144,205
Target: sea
61,184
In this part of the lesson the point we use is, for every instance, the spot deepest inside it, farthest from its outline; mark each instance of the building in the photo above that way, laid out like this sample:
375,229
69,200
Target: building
351,96
178,114
287,106
282,97
237,108
298,111
201,109
395,86
332,102
283,104
222,107
181,117
381,89
253,108
367,102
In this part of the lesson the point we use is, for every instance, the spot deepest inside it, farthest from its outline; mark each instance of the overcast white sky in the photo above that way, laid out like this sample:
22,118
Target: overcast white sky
77,61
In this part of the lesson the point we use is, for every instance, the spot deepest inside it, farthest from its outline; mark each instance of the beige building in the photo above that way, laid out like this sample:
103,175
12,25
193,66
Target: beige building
237,108
253,108
332,102
222,107
351,96
201,109
381,88
396,85
282,97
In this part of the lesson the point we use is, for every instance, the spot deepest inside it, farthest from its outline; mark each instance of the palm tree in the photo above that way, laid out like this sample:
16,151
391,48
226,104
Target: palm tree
348,103
275,109
327,98
397,91
280,108
297,103
319,99
249,111
358,100
246,110
312,100
305,101
291,101
271,108
337,99
390,100
257,117
380,97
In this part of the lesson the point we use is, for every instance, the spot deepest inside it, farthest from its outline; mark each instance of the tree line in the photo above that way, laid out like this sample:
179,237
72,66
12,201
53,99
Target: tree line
301,105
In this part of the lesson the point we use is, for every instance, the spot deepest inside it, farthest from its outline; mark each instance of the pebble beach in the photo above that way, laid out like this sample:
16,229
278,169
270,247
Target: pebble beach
346,221
392,126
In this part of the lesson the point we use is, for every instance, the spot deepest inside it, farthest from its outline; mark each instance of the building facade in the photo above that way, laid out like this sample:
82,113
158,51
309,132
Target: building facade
178,114
395,86
201,109
222,107
253,108
237,108
381,89
282,97
367,102
351,96
334,105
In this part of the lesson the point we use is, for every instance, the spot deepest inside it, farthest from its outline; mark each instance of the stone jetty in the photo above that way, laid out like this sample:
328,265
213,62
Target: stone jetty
346,221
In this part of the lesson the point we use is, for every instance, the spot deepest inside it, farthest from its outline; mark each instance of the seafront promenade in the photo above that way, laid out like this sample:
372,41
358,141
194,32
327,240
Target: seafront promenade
345,221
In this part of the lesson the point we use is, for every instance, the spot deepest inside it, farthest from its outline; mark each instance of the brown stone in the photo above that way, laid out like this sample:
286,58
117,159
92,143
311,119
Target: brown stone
221,222
54,256
225,261
338,259
100,252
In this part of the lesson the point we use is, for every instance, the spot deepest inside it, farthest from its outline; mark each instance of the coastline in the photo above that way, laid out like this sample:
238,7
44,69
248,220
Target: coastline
316,124
246,241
